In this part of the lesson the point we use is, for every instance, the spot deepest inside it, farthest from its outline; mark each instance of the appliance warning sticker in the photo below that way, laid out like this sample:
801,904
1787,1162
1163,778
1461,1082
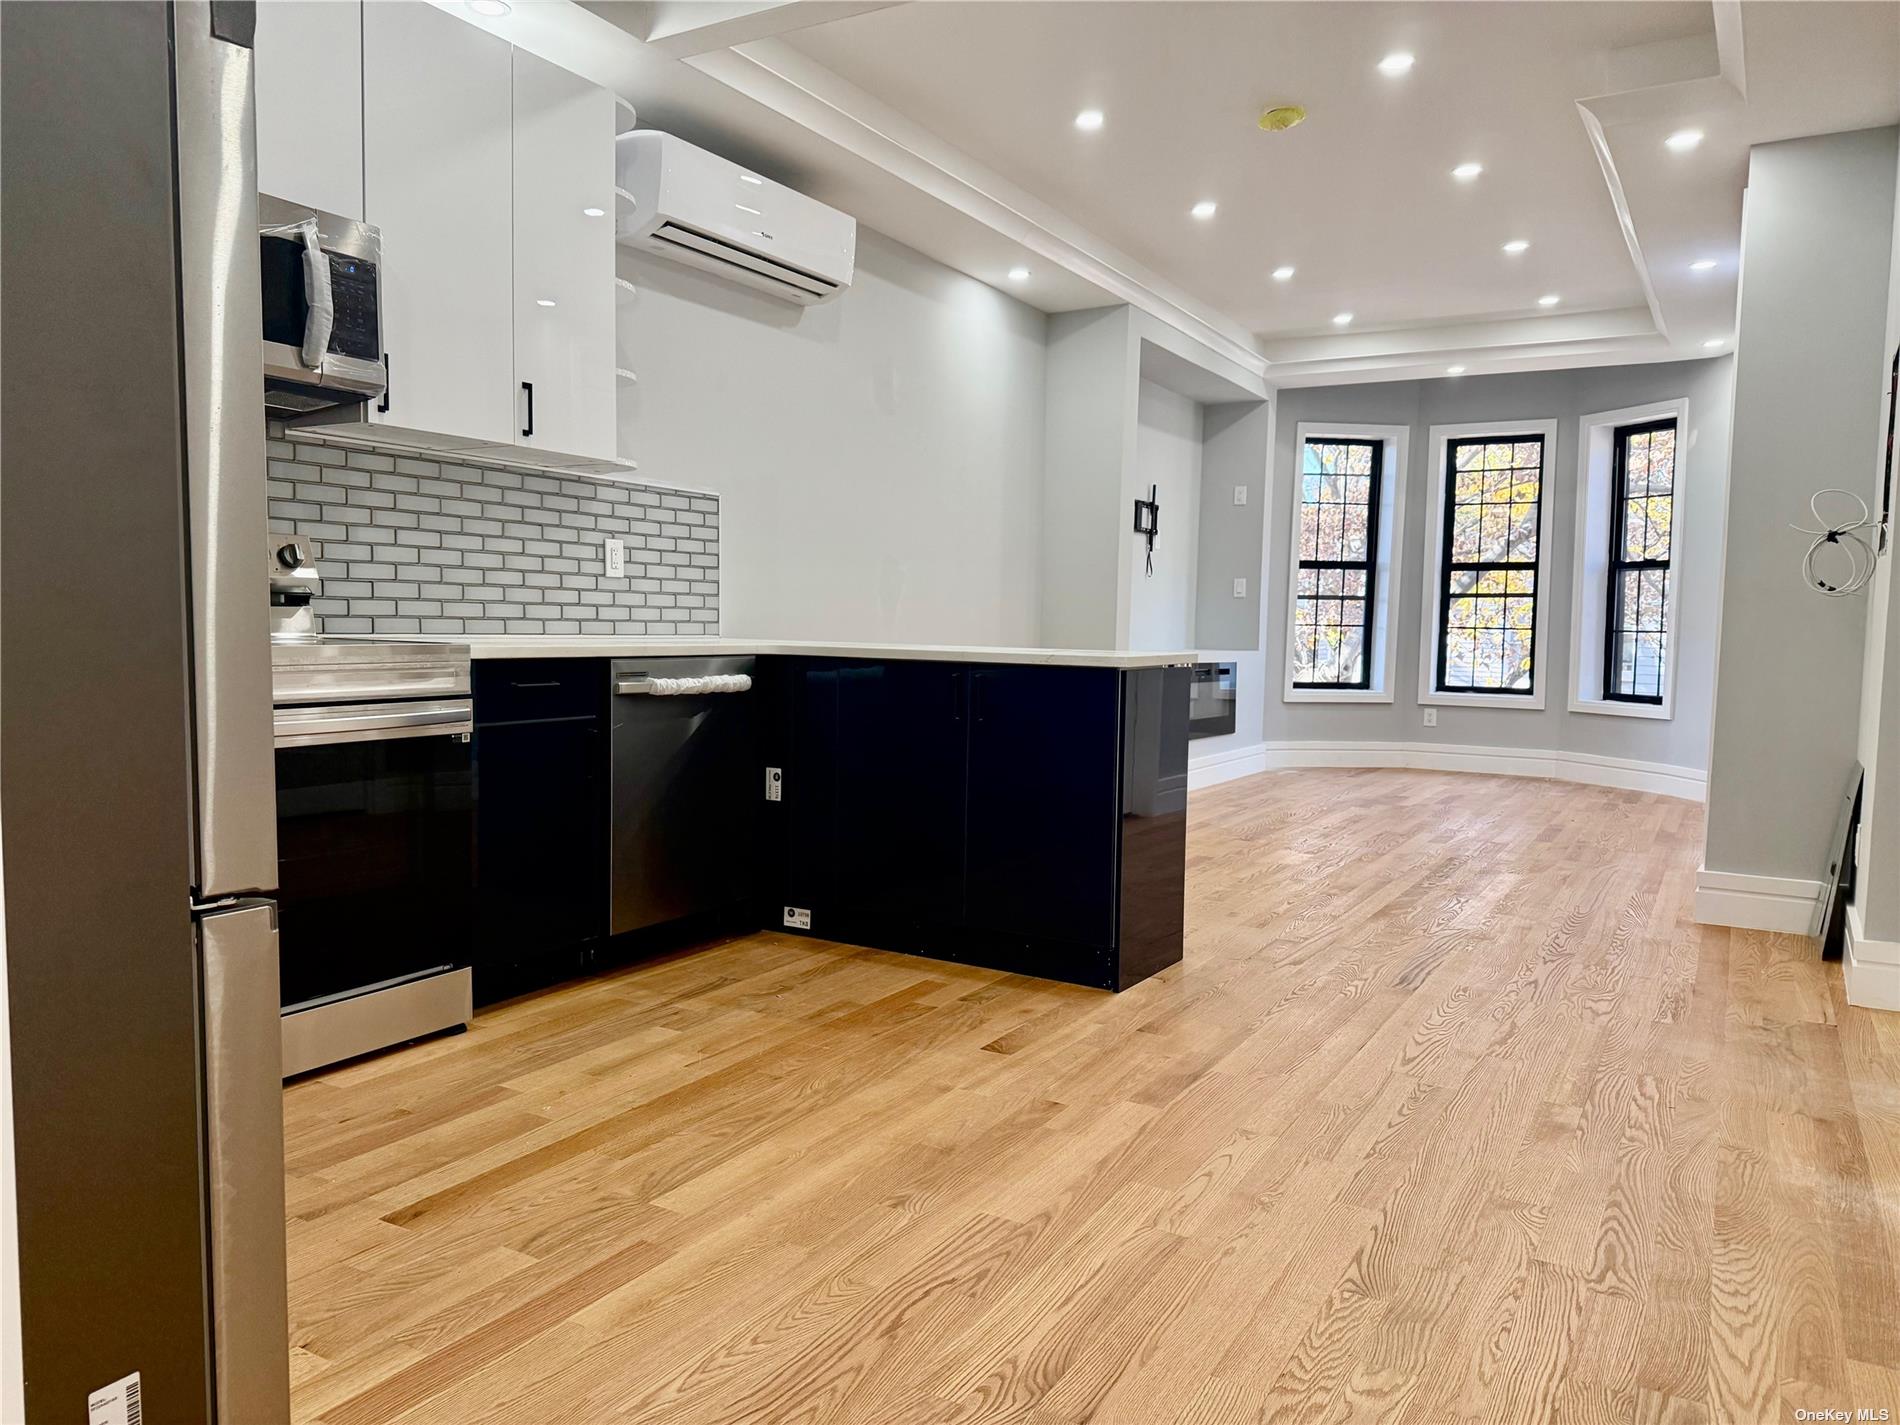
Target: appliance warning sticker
116,1404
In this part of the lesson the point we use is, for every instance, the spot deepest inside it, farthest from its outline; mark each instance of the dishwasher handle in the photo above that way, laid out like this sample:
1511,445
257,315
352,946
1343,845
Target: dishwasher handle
641,685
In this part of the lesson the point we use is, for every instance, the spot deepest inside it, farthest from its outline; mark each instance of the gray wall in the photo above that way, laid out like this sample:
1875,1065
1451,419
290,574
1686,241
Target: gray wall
1816,246
1095,593
407,545
1566,396
1878,893
1088,440
878,457
1234,441
1161,606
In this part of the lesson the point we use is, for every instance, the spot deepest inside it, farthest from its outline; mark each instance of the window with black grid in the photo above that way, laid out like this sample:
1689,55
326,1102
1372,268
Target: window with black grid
1339,556
1642,525
1487,617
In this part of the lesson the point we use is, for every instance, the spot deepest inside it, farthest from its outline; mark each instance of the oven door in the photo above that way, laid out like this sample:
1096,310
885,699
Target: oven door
375,837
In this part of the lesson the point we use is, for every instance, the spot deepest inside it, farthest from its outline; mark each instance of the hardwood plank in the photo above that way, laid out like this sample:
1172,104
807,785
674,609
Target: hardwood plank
1452,1113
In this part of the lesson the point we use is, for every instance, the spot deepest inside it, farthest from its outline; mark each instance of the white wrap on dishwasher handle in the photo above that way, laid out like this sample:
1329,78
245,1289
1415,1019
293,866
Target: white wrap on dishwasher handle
317,297
710,683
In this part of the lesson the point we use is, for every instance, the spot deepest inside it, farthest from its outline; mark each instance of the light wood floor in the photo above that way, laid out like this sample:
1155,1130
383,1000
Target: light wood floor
1452,1114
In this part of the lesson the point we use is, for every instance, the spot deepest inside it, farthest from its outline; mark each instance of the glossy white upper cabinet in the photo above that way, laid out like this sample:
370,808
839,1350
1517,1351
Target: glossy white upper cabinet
438,172
310,104
563,260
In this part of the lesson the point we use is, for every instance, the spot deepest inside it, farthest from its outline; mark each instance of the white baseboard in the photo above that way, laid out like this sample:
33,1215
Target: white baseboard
1225,765
1658,777
1749,902
1871,968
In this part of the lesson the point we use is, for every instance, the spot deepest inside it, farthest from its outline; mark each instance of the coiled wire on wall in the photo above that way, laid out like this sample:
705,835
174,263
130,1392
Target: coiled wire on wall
1860,551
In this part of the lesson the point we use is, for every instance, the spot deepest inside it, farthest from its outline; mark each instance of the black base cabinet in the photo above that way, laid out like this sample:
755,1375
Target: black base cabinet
1022,817
541,882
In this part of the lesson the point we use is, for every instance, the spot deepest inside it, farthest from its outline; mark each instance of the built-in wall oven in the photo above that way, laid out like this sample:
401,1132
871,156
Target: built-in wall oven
1213,696
375,845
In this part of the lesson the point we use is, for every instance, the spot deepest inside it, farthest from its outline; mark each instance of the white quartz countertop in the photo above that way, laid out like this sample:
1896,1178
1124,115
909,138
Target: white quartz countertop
604,646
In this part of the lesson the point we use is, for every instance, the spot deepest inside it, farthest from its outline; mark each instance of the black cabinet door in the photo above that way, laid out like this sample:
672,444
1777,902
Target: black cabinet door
1041,806
901,728
875,796
541,865
801,739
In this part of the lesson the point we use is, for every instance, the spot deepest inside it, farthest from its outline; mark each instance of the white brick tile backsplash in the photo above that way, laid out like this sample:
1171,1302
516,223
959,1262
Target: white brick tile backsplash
409,545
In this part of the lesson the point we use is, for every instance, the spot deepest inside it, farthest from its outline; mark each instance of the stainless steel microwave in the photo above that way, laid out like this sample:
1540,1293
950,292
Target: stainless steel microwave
301,375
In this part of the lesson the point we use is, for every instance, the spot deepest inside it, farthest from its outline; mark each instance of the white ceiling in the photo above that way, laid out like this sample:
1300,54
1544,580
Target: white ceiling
950,126
1359,198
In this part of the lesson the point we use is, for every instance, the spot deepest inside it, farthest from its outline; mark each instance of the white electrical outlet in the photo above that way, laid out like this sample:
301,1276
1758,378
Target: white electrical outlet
774,784
1240,588
616,559
797,917
1431,717
1240,494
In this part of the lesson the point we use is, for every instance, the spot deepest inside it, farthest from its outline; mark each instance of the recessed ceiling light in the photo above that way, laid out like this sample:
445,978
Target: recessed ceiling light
593,212
544,301
1682,140
1019,274
1205,209
1343,319
1702,264
1089,120
1714,342
1395,63
1454,370
1549,299
1516,245
492,9
1465,172
1282,274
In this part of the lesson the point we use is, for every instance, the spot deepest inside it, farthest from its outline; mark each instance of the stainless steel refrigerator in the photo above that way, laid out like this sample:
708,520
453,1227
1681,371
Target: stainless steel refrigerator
136,779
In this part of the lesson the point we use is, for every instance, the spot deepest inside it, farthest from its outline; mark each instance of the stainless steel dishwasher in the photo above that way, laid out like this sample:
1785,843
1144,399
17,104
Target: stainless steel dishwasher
681,764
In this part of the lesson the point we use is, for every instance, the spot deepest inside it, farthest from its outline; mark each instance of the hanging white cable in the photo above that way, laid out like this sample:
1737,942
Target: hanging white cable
1859,552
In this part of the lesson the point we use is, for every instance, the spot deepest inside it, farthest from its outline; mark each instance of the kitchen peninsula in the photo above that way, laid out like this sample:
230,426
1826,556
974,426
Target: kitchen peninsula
1017,808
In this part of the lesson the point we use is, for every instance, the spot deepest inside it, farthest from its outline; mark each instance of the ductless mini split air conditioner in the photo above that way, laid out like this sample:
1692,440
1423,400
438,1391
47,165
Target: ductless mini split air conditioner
698,208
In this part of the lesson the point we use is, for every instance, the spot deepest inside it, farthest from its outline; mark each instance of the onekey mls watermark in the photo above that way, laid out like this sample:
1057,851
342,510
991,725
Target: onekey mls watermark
1854,1415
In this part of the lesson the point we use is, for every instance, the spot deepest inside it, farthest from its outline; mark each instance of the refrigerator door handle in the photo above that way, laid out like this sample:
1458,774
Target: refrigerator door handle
221,318
244,1142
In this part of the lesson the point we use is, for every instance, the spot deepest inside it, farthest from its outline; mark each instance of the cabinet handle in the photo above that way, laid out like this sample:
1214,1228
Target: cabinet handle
976,697
528,386
956,698
383,404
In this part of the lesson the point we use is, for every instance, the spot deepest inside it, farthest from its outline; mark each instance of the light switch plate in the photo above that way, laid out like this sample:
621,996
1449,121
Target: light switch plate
616,559
1431,717
1240,494
1240,588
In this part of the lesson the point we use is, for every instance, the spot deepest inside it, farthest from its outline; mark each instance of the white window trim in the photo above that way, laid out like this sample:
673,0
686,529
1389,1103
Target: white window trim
1384,654
1542,663
1589,593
